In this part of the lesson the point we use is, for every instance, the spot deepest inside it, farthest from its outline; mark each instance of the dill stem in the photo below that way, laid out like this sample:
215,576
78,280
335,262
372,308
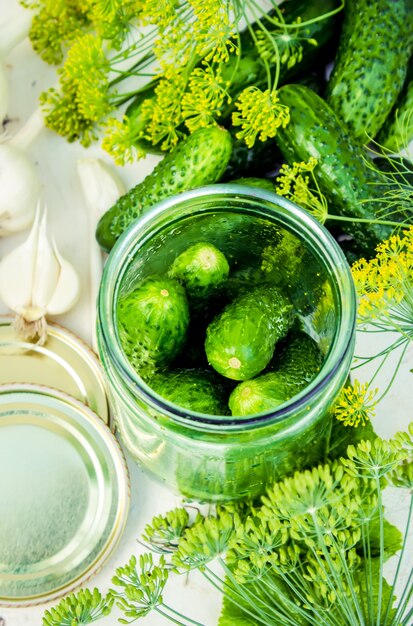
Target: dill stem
363,220
399,563
381,551
185,617
172,619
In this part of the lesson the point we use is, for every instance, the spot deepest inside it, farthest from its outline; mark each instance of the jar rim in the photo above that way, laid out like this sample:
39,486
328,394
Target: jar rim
272,206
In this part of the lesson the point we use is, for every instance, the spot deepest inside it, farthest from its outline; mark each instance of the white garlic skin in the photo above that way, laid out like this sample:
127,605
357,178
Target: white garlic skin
35,280
19,190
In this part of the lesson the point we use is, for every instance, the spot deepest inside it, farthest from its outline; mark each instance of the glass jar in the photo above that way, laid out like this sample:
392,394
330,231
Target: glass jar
218,458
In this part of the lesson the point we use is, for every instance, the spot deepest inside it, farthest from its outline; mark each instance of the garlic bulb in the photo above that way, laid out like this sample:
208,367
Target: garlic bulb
19,184
20,189
101,188
36,281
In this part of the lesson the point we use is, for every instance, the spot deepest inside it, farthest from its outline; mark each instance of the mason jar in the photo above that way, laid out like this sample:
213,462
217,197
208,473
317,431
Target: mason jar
266,239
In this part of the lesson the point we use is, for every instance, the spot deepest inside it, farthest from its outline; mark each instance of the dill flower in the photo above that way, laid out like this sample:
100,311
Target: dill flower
77,609
356,404
213,29
119,141
292,183
385,285
204,97
284,44
260,114
164,112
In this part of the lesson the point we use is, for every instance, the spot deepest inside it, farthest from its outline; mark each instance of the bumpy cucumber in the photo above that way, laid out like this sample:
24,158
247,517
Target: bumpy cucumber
371,63
153,321
299,360
352,188
198,160
248,69
296,365
195,389
397,131
240,341
202,269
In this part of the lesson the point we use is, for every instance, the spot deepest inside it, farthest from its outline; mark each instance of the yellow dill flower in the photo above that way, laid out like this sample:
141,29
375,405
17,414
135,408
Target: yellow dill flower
206,94
293,185
260,114
159,12
356,404
213,30
119,141
164,112
385,285
86,56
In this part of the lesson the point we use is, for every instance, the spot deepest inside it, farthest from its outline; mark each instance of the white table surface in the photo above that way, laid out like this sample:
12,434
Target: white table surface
68,222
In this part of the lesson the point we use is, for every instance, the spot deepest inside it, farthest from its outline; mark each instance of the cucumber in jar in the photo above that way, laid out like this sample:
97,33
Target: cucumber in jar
196,389
202,269
153,322
297,364
240,340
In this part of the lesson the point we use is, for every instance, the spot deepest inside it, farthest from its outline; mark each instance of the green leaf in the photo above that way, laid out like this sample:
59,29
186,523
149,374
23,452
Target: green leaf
233,615
369,594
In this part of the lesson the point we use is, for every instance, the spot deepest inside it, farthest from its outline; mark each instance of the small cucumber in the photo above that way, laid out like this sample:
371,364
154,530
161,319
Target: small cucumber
198,160
195,389
201,269
299,360
153,321
371,63
296,364
259,395
240,340
397,131
343,171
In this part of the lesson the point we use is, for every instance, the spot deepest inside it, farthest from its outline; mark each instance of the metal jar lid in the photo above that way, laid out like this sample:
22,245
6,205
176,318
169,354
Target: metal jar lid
65,362
64,493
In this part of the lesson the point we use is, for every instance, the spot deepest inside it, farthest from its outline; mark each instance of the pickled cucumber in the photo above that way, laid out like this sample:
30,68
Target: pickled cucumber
202,269
240,340
195,389
153,322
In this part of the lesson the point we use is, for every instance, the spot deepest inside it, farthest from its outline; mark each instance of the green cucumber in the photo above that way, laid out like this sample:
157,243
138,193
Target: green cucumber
344,173
153,322
202,269
251,181
296,365
258,395
397,131
248,68
371,63
195,389
299,359
240,340
198,160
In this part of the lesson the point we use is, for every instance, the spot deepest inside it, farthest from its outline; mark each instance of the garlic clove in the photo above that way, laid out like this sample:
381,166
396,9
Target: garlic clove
67,287
17,270
20,189
100,185
35,280
46,269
